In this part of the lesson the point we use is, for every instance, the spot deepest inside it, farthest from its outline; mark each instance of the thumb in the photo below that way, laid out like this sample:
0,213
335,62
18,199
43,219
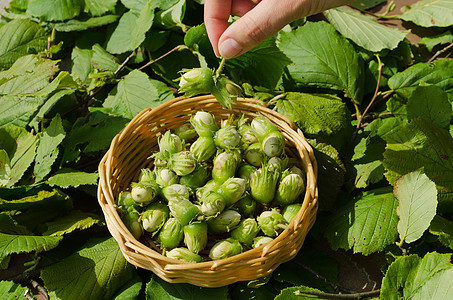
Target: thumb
264,20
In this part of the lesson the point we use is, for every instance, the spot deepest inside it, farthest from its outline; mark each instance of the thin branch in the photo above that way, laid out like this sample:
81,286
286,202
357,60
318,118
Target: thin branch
440,52
39,288
121,67
319,276
360,117
375,15
177,48
357,296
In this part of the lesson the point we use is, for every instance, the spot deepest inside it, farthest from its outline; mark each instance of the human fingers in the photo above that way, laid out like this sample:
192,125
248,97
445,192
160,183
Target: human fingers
266,19
217,13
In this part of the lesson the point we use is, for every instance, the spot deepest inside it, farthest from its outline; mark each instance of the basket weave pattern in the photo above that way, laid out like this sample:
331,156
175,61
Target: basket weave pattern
128,154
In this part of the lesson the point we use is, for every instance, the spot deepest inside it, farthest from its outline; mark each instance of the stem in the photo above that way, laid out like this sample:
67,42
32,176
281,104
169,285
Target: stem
440,52
360,117
50,41
177,48
220,68
357,110
361,295
121,67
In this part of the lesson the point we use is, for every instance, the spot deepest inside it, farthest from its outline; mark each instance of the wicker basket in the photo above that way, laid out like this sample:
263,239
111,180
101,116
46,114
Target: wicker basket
128,154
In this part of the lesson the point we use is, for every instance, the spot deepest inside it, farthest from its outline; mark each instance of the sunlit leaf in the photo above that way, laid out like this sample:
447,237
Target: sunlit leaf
414,274
18,38
11,291
66,177
323,58
136,92
417,197
364,30
55,10
10,243
428,13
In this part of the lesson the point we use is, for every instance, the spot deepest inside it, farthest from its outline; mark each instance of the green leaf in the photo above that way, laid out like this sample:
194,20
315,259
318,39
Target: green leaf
130,290
10,226
55,10
65,178
18,38
81,64
102,60
417,197
13,243
12,291
131,30
136,92
437,287
172,16
437,73
383,127
331,173
135,5
99,7
92,136
367,225
428,13
24,88
77,25
46,109
323,58
430,103
432,41
48,148
366,4
4,264
262,66
294,293
40,208
42,198
413,274
158,289
76,220
421,144
443,228
304,110
364,30
368,173
94,272
21,148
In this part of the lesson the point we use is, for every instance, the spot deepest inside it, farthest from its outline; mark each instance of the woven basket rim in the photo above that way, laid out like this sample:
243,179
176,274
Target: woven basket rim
135,250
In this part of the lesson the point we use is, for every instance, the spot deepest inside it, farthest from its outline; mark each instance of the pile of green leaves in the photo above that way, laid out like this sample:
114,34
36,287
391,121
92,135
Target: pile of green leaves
376,108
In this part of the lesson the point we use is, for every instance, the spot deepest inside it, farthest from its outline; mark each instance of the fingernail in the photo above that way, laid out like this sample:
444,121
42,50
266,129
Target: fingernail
229,48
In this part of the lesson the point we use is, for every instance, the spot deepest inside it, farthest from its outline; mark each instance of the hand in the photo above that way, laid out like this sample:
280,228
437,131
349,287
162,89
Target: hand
259,20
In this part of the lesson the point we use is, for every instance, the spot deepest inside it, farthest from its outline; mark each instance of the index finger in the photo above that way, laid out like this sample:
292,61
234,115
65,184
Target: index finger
216,15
